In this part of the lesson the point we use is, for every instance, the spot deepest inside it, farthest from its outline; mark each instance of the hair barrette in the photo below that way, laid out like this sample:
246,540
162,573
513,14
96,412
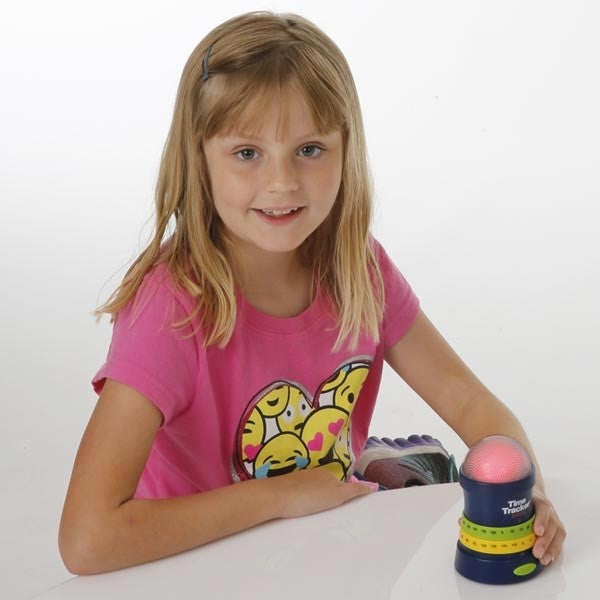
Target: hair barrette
205,64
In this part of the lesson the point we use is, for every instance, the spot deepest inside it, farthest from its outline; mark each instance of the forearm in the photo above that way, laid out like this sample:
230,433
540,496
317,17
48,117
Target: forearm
140,531
486,415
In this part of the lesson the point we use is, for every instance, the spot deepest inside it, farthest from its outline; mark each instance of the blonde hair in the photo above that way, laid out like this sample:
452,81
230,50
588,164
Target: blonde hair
253,58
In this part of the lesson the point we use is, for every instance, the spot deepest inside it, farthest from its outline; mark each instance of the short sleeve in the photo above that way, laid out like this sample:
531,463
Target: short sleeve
148,355
401,302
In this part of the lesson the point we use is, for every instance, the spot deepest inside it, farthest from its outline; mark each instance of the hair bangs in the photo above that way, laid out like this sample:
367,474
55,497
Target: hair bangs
241,99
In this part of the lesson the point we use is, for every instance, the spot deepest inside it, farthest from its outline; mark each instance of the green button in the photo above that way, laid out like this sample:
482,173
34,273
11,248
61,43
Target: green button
525,569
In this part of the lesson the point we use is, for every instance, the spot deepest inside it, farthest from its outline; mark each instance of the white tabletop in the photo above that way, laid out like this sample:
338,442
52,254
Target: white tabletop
394,545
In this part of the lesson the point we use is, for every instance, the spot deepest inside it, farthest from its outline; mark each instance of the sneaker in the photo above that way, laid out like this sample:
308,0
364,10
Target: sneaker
406,462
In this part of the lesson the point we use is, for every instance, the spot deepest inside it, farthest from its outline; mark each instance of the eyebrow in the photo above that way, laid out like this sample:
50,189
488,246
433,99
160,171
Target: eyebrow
248,136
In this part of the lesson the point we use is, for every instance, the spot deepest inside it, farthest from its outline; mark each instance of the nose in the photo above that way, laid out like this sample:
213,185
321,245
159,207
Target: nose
282,175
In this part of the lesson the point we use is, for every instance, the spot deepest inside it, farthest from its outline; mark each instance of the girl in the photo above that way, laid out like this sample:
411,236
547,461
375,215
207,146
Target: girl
247,348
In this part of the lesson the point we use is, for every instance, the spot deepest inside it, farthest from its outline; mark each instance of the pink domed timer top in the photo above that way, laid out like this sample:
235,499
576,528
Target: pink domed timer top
497,459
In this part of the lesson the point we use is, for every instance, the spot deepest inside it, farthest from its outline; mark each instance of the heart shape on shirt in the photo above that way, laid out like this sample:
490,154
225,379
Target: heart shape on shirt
335,427
316,444
251,450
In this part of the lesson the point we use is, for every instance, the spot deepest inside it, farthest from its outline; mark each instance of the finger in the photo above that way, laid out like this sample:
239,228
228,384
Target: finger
542,516
356,485
370,485
554,548
540,549
540,526
361,488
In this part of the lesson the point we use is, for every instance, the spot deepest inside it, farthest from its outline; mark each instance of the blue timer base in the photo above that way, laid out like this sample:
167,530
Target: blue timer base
496,568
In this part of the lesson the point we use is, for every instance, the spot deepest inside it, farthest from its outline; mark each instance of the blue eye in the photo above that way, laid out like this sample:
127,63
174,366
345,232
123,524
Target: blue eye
316,148
244,150
246,158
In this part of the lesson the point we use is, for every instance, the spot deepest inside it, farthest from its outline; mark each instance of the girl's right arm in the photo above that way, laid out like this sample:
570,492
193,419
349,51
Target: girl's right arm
103,528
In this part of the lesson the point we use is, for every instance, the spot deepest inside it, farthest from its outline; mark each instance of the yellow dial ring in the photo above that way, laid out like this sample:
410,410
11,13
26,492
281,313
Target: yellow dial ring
497,547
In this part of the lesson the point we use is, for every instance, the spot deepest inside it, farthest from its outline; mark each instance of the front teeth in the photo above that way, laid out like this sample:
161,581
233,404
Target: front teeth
279,213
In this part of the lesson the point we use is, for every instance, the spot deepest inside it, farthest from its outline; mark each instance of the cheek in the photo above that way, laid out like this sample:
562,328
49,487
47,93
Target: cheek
232,188
329,180
335,169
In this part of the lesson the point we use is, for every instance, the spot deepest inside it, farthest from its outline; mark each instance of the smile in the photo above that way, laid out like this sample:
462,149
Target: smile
282,219
276,212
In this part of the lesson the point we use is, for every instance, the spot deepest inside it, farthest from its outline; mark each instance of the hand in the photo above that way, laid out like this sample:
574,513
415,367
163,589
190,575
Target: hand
313,490
547,527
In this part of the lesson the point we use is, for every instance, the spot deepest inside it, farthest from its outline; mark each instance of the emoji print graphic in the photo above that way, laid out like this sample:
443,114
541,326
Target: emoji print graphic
284,428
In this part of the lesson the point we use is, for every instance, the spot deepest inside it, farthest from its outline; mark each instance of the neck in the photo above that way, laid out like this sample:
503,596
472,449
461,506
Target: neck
276,281
259,271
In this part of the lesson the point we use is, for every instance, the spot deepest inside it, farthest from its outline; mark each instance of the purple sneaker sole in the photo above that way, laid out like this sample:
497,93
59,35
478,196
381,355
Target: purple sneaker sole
405,462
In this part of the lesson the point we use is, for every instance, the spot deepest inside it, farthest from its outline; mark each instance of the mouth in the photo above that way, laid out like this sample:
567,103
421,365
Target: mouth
279,219
281,471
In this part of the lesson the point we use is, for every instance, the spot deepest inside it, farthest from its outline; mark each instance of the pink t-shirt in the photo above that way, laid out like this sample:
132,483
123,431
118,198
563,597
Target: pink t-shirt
274,400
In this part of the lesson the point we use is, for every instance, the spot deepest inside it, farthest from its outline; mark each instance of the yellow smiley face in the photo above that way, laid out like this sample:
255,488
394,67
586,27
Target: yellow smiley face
273,403
295,413
346,393
282,454
320,432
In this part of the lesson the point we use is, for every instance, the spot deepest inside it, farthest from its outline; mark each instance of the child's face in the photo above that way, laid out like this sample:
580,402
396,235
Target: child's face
250,174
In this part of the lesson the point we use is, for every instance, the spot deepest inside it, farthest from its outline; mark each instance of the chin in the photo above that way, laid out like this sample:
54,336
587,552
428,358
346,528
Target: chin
281,247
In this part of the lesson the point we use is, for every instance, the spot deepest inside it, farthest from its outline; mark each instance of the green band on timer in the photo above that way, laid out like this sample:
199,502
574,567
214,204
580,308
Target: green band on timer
484,532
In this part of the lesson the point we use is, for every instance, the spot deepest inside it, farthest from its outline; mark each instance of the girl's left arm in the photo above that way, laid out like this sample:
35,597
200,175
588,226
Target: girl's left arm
436,373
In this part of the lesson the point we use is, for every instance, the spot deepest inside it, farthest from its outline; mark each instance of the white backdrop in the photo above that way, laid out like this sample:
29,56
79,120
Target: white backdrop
482,125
